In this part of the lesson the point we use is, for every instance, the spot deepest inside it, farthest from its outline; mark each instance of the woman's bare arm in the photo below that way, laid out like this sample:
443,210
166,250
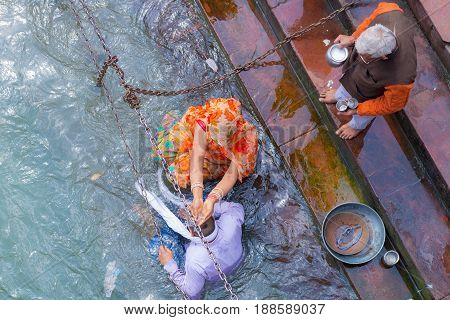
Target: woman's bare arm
196,167
224,186
228,180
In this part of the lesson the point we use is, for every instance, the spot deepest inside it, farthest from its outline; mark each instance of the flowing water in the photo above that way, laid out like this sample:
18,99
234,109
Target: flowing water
69,222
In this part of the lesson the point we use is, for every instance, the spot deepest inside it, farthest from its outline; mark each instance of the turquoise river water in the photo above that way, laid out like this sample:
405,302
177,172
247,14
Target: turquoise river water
67,203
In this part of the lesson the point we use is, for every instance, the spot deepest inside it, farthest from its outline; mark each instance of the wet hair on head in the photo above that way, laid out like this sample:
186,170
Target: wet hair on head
208,227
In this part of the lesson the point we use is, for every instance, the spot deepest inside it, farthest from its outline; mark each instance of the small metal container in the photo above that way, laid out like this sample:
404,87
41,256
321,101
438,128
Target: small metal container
345,104
341,105
391,258
336,55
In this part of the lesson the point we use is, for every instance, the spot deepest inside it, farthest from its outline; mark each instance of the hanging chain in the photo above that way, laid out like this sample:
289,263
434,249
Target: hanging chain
124,140
165,165
131,92
187,207
133,100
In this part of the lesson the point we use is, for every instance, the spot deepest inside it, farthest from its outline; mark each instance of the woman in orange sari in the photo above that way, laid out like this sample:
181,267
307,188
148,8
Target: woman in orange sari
209,142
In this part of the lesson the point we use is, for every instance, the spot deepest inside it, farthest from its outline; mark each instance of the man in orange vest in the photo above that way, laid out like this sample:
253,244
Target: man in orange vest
380,71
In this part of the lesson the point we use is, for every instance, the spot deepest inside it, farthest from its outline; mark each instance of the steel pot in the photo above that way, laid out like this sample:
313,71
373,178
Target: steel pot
336,56
375,226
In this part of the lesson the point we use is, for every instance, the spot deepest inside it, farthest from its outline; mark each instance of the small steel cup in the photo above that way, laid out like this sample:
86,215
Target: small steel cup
341,105
352,103
345,104
391,258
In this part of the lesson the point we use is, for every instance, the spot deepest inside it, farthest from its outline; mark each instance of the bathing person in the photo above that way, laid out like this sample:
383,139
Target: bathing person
223,232
209,142
380,71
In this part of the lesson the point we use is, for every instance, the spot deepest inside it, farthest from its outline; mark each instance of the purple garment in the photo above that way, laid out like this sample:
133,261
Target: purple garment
225,243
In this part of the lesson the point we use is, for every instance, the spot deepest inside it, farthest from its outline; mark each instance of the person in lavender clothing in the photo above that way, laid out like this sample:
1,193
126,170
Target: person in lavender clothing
223,232
222,228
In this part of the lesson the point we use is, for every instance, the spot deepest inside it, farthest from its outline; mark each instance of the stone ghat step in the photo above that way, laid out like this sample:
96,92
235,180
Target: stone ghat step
295,127
433,17
425,120
384,159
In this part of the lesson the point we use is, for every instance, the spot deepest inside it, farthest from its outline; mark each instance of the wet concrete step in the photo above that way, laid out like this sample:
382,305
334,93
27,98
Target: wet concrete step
433,17
292,121
401,189
425,119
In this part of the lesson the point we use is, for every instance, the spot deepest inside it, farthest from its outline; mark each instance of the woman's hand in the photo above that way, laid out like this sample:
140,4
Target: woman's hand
345,41
207,211
197,206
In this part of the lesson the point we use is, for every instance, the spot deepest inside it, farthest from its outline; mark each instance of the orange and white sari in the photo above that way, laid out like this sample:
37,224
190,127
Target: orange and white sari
230,138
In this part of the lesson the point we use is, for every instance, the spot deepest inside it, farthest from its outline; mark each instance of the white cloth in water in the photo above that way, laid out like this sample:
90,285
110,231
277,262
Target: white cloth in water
171,219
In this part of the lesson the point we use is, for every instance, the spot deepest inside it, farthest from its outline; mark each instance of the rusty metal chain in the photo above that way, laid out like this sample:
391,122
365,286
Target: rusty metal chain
172,179
123,137
187,207
133,100
131,92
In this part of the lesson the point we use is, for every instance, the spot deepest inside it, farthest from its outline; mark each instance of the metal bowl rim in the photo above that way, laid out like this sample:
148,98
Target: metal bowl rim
336,45
332,62
331,250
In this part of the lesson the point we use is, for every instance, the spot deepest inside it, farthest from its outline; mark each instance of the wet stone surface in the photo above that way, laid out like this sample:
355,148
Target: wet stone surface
280,101
396,176
311,51
319,171
429,103
317,167
438,11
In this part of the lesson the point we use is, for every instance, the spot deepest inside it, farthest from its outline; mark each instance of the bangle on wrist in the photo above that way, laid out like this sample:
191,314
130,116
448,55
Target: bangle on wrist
196,185
213,197
193,188
216,193
219,192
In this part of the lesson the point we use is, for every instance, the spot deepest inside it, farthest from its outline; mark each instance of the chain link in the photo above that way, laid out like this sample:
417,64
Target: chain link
187,207
112,61
133,100
124,140
130,91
